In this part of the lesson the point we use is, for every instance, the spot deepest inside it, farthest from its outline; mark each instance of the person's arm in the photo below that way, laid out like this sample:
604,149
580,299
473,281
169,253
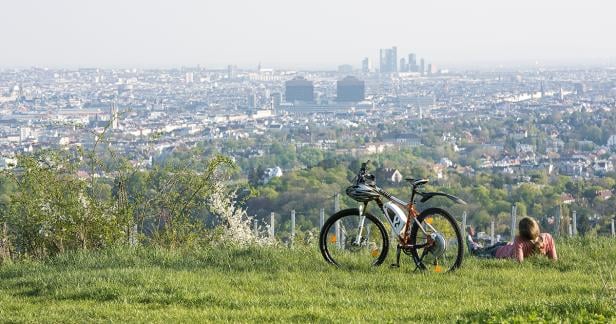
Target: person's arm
519,250
552,250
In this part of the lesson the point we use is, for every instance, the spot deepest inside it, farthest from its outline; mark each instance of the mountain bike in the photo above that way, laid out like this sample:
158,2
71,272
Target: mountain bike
355,237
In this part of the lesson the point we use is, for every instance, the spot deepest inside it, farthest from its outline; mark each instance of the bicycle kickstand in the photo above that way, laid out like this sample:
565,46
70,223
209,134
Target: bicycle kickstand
397,264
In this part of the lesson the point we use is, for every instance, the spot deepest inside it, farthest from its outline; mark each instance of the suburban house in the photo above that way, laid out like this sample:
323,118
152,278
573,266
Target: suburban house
270,173
567,198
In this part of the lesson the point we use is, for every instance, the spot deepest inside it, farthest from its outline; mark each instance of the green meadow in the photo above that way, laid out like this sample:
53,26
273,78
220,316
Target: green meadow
282,285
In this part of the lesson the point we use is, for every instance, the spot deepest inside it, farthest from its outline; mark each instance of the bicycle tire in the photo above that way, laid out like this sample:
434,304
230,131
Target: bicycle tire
460,246
352,212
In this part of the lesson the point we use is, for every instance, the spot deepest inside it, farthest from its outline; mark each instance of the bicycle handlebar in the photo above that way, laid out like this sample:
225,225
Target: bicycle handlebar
362,172
363,166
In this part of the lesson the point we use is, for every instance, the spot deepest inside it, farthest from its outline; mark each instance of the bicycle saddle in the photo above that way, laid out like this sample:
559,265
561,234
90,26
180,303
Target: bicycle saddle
417,182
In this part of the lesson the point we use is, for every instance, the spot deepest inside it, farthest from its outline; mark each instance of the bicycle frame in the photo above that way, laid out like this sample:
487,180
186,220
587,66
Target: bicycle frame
411,215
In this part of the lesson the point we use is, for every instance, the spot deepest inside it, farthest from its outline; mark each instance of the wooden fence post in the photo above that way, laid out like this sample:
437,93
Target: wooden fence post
272,223
292,227
514,220
464,223
336,202
575,232
132,235
4,242
492,238
613,228
558,215
321,217
336,209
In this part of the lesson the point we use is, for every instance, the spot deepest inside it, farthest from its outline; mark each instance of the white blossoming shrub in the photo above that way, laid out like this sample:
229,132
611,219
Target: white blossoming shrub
237,226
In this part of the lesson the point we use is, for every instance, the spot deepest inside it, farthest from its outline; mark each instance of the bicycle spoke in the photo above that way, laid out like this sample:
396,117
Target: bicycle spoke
359,242
440,243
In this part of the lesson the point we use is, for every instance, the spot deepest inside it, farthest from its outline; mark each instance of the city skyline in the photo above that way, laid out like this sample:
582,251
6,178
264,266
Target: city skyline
159,34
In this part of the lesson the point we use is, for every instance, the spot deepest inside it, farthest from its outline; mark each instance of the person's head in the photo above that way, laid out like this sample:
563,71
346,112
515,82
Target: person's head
529,230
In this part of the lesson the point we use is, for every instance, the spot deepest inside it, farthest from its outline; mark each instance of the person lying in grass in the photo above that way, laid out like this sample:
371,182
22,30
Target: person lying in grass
530,241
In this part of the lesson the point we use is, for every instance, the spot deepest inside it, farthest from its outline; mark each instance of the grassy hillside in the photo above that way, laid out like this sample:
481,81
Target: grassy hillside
246,285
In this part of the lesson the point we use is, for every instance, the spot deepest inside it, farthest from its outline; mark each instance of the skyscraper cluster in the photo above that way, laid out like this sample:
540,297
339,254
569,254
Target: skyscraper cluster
389,62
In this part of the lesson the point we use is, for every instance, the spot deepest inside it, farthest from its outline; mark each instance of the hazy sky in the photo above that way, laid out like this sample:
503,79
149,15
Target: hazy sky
301,33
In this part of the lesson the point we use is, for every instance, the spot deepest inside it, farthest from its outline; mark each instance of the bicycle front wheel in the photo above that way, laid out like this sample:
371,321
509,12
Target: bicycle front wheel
441,248
350,240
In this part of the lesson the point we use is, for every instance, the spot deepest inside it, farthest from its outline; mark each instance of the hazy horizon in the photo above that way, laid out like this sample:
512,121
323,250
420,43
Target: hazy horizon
307,35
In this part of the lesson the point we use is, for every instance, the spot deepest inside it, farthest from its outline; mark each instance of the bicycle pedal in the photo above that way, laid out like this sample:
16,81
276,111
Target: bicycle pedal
393,265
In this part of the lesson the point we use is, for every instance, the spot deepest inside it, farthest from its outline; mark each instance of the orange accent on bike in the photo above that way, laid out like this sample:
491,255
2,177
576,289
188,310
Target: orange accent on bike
429,220
374,253
405,237
438,269
332,239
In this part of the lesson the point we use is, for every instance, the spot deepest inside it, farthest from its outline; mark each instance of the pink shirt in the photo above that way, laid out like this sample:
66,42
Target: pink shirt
521,248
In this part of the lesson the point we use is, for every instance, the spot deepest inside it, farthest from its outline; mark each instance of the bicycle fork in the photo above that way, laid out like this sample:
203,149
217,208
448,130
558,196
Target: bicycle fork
362,219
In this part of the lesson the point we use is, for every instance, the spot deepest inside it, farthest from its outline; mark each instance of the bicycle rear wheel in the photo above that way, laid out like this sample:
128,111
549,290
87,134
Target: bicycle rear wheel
444,249
350,240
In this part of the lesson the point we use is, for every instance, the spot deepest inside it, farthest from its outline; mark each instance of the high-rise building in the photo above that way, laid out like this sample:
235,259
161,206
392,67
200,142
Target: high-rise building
231,72
388,60
350,89
430,69
299,89
412,62
422,66
395,58
402,67
365,65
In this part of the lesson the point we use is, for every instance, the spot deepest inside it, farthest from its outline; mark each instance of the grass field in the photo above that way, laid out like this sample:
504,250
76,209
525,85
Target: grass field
256,285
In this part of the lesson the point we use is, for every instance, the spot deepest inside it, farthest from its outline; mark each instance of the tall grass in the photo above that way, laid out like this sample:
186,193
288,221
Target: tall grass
277,284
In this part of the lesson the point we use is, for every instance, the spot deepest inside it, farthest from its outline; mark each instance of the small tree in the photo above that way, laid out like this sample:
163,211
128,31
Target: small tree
236,224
